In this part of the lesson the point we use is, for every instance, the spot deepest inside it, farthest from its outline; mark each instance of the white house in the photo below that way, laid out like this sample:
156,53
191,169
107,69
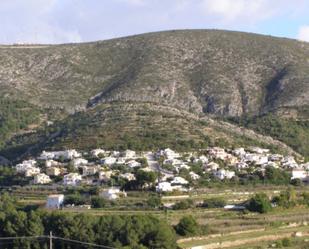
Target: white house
241,165
289,162
51,163
110,160
133,164
72,179
222,174
168,153
97,152
112,193
67,155
128,176
179,181
194,176
203,159
239,152
212,166
31,171
54,201
105,175
89,170
299,174
121,160
22,167
218,153
53,171
164,187
77,162
41,179
258,150
262,160
167,187
128,154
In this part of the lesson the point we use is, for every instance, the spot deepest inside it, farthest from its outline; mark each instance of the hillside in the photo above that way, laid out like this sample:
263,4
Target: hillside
96,91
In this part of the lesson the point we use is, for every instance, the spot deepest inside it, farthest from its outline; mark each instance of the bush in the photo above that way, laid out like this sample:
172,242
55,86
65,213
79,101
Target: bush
286,199
185,204
286,242
98,202
154,201
187,226
259,203
75,199
214,203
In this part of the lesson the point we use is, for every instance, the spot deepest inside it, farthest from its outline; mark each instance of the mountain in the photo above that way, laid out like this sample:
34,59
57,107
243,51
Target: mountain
173,87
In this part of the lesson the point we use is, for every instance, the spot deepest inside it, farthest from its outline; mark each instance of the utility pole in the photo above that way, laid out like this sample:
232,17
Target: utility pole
50,240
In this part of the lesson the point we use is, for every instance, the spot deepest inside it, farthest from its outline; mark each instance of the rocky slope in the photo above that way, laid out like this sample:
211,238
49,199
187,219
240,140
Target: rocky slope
202,72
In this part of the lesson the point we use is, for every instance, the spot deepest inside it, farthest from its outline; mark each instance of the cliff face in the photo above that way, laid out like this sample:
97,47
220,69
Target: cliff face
219,72
199,72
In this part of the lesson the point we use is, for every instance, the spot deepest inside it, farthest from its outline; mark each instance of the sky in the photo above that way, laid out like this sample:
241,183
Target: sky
67,21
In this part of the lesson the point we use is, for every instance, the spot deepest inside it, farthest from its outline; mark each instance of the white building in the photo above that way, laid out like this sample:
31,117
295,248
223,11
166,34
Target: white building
54,201
179,181
258,150
224,174
22,167
167,187
121,160
168,153
194,176
218,153
77,162
133,164
109,160
239,152
32,171
128,176
299,174
41,179
203,159
72,179
212,166
105,175
67,155
51,163
164,187
97,152
89,170
128,154
53,171
112,193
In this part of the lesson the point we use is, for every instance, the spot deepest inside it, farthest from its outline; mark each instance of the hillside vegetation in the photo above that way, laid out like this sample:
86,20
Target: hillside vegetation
138,91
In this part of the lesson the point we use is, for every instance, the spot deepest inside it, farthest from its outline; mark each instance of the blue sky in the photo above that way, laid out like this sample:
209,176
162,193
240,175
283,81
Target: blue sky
63,21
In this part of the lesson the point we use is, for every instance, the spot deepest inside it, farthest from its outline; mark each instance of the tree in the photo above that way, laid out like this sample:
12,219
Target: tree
286,199
187,226
214,203
143,177
154,201
185,204
98,202
259,203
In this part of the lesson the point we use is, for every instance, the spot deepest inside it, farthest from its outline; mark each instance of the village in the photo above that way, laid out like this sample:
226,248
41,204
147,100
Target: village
169,171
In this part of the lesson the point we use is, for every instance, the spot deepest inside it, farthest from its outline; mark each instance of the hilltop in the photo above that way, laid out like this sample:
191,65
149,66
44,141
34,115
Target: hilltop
171,87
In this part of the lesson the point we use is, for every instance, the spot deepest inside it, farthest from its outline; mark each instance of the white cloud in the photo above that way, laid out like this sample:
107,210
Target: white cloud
235,10
303,33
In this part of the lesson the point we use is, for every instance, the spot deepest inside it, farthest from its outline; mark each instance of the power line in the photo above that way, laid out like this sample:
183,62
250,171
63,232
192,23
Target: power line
51,238
83,243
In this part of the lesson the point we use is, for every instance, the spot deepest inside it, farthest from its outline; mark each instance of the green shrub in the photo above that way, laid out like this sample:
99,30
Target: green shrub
259,203
185,204
187,226
214,203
